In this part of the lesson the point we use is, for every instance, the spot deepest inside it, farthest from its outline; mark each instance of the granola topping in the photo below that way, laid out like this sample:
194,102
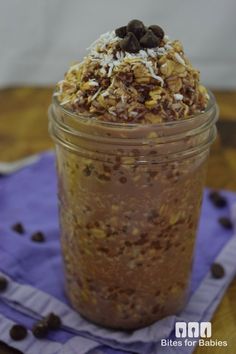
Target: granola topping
133,77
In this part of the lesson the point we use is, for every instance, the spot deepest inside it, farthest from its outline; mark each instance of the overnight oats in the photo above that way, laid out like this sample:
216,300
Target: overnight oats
133,127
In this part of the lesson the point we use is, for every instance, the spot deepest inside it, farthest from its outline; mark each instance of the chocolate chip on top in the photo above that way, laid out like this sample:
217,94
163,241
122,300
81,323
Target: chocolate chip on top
149,40
136,36
130,43
121,31
157,30
137,28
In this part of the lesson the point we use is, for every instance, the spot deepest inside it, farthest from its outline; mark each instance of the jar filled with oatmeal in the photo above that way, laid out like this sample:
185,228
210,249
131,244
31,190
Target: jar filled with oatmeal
133,128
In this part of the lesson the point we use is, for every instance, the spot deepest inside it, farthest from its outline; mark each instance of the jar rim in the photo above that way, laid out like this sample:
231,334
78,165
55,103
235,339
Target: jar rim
184,137
108,124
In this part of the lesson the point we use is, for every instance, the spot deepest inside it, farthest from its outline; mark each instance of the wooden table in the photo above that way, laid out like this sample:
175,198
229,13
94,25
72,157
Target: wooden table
23,131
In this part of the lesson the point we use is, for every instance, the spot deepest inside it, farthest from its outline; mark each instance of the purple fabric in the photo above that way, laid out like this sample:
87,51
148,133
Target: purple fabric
29,196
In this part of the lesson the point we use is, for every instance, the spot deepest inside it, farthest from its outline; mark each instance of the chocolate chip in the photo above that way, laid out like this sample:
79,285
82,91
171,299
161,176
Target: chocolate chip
3,283
123,179
149,40
157,30
18,332
217,199
38,237
226,223
53,321
87,171
121,31
19,228
130,43
40,329
217,271
137,28
152,216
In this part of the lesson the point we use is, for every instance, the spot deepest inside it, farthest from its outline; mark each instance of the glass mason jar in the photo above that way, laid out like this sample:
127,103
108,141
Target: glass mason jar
129,202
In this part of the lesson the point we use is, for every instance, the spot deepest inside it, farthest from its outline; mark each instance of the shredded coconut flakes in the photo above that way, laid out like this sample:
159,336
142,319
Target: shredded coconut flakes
179,59
96,94
178,97
107,60
93,82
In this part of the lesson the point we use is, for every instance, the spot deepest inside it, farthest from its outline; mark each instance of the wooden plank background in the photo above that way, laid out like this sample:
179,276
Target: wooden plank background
23,131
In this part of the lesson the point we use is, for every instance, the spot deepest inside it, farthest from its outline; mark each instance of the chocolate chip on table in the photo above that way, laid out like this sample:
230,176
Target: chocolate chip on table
137,28
18,332
121,31
130,43
38,237
226,222
217,271
157,30
217,199
19,228
3,283
149,40
40,329
53,321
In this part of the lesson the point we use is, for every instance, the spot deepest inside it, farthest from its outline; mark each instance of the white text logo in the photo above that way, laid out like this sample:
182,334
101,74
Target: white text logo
193,330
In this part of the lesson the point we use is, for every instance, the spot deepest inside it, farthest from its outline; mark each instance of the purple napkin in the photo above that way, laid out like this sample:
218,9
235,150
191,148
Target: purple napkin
35,273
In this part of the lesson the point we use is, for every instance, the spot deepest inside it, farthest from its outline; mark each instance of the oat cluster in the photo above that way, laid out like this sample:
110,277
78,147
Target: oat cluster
149,86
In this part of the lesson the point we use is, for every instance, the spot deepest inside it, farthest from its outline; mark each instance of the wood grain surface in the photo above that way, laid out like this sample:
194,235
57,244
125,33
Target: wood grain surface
23,131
